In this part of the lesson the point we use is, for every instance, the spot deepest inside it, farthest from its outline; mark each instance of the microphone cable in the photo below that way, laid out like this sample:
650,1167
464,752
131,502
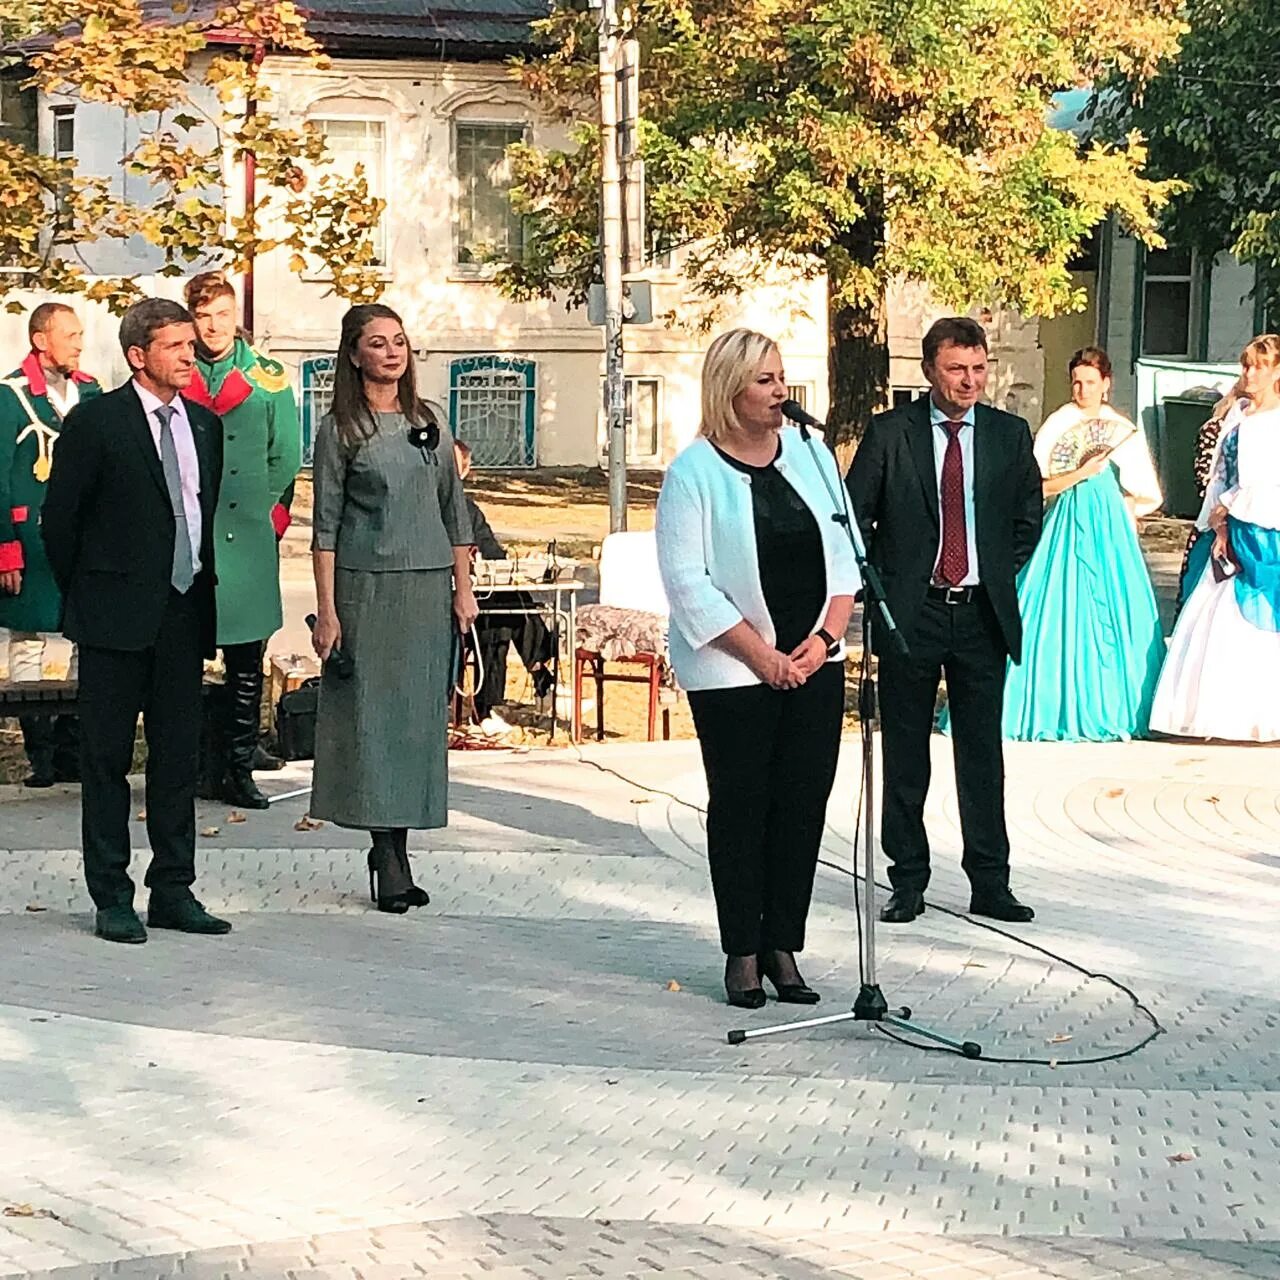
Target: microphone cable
1157,1028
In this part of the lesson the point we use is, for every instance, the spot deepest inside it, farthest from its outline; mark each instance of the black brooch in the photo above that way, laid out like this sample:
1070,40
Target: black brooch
425,437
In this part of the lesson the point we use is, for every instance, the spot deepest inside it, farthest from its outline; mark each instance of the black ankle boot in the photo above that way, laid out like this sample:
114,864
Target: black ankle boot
243,709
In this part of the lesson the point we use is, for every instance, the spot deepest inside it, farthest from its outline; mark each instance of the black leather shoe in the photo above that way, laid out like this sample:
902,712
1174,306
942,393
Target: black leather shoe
1006,907
240,790
903,906
186,915
263,759
39,779
119,924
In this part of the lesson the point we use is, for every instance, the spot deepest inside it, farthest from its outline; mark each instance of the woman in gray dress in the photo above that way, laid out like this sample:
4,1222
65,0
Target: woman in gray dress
391,550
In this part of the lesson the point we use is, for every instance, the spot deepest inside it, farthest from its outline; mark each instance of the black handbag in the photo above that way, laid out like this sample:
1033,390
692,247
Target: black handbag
296,721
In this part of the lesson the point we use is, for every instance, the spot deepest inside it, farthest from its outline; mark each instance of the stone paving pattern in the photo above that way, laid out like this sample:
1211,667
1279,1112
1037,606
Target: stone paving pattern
530,1078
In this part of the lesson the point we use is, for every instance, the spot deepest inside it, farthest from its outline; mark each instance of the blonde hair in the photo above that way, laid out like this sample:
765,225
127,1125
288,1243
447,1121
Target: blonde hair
731,363
1264,349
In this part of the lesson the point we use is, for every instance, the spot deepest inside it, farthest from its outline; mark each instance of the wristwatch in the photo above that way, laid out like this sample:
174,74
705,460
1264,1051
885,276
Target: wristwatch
833,645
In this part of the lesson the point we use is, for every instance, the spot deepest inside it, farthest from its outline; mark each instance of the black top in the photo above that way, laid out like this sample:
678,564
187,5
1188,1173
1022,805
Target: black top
793,571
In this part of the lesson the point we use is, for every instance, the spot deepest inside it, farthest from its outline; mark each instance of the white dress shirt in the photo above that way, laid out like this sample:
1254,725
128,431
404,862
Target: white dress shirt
941,436
188,463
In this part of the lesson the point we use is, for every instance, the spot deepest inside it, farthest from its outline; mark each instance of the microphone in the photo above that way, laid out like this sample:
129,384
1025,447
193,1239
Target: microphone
801,417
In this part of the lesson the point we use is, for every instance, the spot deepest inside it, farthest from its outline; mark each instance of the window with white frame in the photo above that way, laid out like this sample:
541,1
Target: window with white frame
353,143
900,396
488,229
1168,293
492,406
801,393
642,408
64,133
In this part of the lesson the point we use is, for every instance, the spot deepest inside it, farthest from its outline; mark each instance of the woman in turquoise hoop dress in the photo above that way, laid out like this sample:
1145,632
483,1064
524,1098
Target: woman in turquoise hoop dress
1220,677
1092,645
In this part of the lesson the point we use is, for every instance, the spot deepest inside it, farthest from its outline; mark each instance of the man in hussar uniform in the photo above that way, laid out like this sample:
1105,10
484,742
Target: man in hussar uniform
34,399
262,454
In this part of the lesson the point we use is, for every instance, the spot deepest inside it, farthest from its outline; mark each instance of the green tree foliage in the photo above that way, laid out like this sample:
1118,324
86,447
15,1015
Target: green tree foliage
867,140
166,76
1212,117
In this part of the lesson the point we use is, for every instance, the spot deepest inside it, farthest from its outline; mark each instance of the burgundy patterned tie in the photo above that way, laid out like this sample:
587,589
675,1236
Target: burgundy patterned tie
953,562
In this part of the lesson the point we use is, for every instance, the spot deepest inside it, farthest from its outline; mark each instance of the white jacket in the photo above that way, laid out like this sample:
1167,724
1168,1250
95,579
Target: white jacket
707,553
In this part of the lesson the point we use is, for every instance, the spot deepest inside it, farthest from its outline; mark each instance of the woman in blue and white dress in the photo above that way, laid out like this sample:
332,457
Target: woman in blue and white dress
1220,676
1092,645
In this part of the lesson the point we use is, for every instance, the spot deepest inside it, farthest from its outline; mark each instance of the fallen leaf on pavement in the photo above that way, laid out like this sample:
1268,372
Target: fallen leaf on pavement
236,816
642,800
1058,1039
29,1211
31,906
974,964
1114,794
209,831
1213,799
673,985
307,824
142,815
1182,1157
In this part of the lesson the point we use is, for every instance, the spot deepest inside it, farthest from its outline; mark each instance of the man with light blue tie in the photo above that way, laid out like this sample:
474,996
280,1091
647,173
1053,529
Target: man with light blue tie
127,524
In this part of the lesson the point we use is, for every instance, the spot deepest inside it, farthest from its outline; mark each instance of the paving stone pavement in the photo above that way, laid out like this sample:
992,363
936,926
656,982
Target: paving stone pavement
531,1077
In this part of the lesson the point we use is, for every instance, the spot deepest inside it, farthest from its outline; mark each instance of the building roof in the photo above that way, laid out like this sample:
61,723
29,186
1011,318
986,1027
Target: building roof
398,28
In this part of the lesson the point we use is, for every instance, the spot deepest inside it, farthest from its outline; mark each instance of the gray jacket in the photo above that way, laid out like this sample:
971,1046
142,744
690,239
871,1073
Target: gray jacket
390,505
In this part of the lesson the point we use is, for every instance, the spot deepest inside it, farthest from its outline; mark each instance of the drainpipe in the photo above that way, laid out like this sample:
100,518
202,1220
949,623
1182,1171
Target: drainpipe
250,200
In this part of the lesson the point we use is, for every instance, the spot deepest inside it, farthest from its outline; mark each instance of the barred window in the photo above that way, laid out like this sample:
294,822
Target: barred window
492,406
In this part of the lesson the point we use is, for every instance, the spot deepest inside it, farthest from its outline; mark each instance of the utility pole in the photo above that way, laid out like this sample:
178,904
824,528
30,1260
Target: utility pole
611,265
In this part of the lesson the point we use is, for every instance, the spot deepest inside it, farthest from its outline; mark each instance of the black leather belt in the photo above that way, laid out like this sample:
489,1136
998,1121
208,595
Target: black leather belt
955,595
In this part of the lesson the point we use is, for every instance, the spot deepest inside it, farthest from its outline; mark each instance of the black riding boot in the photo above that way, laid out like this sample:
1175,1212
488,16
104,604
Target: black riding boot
243,692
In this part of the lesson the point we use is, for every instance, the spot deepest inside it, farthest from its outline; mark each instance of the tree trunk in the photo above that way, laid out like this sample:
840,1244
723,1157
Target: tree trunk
857,368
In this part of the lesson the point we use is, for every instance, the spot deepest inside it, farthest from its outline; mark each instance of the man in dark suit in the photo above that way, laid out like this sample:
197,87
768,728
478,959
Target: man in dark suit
127,524
948,496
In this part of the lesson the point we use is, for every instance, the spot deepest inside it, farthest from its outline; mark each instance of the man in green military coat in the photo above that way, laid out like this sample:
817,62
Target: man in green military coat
262,442
34,399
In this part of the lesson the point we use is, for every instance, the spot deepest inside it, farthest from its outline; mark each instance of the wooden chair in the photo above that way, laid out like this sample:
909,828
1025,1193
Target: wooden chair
627,627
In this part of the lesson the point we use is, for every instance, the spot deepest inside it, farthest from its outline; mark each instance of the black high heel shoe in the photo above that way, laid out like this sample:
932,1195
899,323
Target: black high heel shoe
396,903
742,997
788,992
414,896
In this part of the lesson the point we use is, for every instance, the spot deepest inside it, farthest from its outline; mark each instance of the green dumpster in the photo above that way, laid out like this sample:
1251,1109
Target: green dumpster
1183,418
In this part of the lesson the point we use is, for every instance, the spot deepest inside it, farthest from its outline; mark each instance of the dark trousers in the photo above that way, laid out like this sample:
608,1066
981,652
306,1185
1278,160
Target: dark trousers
964,641
52,744
495,635
770,757
163,684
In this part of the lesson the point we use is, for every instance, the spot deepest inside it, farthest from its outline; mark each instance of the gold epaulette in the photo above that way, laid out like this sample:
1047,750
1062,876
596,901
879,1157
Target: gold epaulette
269,374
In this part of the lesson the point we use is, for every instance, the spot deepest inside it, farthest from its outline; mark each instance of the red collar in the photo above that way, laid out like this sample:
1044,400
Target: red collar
235,390
36,379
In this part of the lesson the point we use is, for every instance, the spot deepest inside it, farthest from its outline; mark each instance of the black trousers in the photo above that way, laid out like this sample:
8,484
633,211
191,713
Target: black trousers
163,684
965,642
495,633
52,744
770,757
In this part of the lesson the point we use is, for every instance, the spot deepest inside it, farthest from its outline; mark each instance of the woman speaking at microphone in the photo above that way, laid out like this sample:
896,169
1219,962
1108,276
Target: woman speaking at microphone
391,549
760,579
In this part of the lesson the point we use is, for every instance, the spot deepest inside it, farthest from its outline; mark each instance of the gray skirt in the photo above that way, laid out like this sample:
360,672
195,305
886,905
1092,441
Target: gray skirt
382,735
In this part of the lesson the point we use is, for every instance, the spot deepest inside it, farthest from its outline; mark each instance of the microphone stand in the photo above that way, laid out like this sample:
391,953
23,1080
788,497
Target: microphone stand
870,1005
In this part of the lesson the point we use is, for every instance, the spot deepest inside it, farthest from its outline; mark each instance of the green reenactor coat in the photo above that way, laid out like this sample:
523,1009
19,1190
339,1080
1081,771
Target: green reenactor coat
29,426
262,441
